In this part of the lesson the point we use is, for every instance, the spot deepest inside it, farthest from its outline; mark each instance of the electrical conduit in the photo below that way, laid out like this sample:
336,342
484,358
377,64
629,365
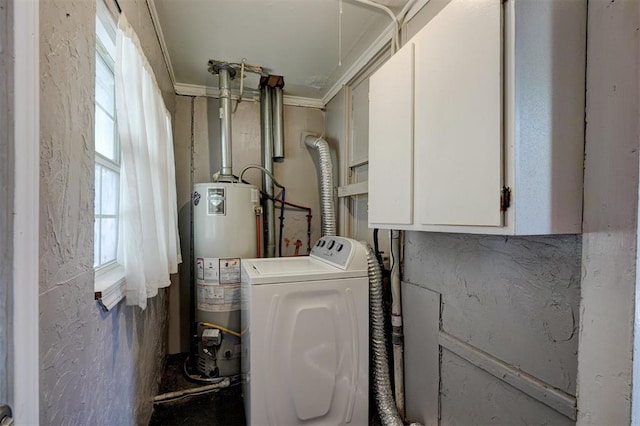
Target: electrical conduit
395,44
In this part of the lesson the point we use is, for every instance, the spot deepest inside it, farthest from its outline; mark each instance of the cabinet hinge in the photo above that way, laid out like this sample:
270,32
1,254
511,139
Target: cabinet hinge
505,198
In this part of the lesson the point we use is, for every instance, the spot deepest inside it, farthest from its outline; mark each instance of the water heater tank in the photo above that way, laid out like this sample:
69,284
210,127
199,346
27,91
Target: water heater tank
224,232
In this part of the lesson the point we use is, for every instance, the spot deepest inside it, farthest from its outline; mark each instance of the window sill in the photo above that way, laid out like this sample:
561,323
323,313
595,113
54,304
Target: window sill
110,287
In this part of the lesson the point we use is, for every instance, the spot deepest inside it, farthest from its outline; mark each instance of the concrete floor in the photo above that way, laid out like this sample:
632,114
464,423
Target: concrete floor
219,408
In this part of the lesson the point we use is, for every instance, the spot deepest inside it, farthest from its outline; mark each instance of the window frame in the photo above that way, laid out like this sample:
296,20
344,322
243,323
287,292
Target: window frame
105,162
109,283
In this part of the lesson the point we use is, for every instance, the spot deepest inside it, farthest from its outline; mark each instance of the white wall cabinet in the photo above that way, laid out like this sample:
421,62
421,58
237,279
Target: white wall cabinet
487,96
391,123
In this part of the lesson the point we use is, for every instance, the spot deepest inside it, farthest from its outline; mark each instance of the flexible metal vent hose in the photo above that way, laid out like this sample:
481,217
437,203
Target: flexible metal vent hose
326,184
382,383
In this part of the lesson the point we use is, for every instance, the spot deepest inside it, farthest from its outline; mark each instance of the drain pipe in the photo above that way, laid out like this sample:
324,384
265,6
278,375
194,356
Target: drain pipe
172,396
326,184
397,337
267,162
387,409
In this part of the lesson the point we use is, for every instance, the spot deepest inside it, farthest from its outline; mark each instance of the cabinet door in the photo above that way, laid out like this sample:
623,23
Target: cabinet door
391,141
458,115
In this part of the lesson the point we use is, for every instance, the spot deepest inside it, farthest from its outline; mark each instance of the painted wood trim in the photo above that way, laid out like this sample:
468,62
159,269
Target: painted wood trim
353,189
560,401
249,95
303,102
24,359
155,19
110,287
112,295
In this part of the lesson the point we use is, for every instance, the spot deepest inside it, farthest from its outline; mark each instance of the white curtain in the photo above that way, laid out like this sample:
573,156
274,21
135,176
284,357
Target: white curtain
148,242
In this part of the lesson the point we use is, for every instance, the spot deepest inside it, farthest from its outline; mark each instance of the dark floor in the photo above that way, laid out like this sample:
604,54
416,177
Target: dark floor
222,408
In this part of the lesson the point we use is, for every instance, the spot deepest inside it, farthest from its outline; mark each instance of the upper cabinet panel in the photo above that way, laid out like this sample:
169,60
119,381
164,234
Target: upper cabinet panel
458,115
391,140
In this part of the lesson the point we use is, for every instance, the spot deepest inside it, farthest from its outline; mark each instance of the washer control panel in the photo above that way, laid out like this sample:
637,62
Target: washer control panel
336,250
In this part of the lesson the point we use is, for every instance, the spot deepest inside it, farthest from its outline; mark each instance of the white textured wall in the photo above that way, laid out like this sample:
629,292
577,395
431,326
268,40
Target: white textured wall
96,367
610,214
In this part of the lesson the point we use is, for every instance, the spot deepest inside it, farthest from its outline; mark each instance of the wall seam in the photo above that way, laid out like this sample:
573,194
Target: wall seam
192,294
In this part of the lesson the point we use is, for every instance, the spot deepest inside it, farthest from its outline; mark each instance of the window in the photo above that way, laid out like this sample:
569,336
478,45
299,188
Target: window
107,147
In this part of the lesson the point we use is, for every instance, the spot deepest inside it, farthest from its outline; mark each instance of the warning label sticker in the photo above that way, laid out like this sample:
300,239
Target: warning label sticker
207,269
229,271
218,298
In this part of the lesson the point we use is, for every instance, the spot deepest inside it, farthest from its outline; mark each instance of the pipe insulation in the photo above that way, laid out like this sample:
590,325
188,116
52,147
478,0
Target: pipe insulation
326,184
381,381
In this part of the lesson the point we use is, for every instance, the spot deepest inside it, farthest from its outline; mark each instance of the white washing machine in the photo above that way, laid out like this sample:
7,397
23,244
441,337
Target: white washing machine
305,343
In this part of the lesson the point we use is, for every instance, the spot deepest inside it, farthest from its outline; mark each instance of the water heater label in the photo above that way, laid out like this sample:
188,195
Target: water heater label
229,271
207,269
216,201
218,298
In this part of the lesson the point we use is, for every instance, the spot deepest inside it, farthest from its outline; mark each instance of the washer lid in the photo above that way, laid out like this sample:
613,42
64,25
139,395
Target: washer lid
290,269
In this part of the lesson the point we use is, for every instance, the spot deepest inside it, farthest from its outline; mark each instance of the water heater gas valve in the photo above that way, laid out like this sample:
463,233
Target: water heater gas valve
211,337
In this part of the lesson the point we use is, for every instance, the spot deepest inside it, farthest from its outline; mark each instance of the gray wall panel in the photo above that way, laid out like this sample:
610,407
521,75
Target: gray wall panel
421,353
515,298
471,396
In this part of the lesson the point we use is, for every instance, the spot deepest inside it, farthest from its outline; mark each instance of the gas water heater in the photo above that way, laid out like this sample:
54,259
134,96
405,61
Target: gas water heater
224,232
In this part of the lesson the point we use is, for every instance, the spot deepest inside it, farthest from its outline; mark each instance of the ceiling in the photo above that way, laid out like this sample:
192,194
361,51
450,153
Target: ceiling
298,39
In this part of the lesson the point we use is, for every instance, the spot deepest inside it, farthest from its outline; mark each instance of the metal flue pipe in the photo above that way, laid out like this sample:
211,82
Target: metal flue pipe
225,72
267,162
278,124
